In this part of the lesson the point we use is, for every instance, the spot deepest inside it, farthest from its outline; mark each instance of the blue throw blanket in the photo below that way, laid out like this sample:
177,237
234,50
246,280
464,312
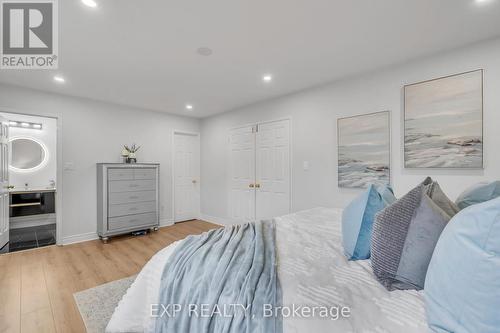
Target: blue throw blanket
222,281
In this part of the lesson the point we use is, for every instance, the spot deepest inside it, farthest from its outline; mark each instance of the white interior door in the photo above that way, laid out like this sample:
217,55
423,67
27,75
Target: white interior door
273,169
186,176
242,174
4,183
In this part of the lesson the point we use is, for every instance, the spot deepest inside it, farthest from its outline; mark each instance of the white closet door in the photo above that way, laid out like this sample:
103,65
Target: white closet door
4,183
273,169
242,174
186,177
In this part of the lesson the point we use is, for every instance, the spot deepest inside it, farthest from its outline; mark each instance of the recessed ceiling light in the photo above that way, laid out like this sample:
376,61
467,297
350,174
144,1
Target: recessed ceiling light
13,123
189,107
482,2
59,79
204,51
90,3
267,78
25,125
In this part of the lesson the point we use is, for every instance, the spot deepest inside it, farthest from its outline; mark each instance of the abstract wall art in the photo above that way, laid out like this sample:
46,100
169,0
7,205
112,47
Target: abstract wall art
364,150
443,122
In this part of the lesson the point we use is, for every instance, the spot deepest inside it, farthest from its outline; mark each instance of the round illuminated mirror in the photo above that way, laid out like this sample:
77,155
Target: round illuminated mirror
26,154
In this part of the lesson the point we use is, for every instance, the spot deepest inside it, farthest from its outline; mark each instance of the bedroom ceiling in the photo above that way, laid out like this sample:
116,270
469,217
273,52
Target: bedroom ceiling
146,54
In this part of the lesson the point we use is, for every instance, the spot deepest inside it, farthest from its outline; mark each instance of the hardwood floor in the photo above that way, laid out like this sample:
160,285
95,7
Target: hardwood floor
37,286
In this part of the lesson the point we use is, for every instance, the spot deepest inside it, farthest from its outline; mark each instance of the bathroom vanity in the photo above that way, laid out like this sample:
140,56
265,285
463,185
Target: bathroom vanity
32,202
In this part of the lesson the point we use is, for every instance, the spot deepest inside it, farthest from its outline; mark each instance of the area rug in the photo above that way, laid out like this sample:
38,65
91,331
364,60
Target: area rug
96,305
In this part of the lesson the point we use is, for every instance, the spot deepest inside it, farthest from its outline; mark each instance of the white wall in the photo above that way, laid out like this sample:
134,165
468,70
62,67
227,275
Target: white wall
314,113
96,132
41,177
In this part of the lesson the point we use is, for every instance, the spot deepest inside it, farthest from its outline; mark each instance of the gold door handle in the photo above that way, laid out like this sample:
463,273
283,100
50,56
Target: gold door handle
194,181
251,185
257,185
9,187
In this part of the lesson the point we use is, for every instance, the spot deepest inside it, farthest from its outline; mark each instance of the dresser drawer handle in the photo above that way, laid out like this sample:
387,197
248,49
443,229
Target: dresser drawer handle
134,220
134,197
132,208
133,185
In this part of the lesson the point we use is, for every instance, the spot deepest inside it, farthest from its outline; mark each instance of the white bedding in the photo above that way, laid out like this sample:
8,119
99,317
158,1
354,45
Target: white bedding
312,271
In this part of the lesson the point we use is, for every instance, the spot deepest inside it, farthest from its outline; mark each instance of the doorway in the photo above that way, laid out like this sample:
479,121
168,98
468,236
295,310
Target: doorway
28,172
186,176
259,171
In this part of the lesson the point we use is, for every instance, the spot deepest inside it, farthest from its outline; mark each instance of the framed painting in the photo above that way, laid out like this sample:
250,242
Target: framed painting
364,143
443,122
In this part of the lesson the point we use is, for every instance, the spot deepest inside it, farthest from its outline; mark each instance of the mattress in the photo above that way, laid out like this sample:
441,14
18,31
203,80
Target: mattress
313,272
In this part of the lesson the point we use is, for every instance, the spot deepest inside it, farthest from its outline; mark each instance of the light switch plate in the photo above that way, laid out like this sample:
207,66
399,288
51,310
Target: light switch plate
305,165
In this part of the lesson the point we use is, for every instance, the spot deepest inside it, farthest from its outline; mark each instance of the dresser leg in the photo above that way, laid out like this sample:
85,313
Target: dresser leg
154,229
105,240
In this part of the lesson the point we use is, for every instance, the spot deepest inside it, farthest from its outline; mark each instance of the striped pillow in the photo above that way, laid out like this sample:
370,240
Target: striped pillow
404,236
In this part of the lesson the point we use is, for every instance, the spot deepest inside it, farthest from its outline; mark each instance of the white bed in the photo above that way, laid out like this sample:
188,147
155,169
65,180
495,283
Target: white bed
312,271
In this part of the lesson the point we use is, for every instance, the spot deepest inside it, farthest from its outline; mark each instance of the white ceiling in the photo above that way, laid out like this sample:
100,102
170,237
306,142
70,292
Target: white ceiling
143,53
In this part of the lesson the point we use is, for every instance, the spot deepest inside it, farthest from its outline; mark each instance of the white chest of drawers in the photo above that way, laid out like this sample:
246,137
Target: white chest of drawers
127,198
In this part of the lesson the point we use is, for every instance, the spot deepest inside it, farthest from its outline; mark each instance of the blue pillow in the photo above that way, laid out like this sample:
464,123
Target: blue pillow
478,193
462,287
387,194
357,221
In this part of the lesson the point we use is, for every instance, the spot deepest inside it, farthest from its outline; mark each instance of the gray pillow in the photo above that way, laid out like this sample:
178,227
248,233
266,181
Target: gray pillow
437,195
404,236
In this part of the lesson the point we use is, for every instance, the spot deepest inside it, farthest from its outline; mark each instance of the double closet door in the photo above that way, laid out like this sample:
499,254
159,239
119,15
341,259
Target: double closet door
260,171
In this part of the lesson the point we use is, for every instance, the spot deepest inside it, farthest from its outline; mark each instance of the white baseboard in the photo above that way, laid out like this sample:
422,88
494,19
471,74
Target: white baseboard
93,235
166,222
79,238
223,221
